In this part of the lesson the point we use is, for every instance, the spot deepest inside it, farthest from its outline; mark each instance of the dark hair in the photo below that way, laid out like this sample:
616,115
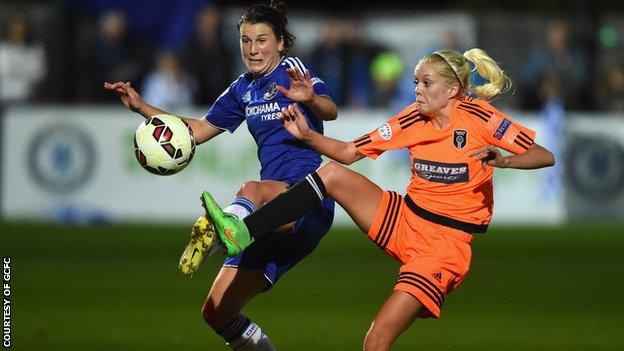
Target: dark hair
273,14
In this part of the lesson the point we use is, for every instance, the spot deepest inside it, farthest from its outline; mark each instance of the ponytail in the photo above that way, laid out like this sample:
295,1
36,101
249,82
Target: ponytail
498,82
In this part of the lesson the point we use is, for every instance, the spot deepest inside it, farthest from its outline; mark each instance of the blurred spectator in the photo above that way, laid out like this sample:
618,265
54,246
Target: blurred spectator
361,89
207,57
556,64
404,92
329,60
610,94
22,63
163,23
343,58
111,56
168,85
449,40
552,114
386,70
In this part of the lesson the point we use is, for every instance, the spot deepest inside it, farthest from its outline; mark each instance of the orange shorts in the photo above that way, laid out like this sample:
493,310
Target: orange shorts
435,258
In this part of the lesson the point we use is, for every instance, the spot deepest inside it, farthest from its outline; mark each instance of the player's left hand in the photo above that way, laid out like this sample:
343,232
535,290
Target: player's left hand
294,121
301,89
490,156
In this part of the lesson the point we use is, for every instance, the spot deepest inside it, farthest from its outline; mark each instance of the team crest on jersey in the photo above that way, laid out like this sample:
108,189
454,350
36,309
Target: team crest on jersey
247,96
459,138
271,92
385,131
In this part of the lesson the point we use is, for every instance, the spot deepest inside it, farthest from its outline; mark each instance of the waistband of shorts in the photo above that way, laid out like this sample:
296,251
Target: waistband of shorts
443,220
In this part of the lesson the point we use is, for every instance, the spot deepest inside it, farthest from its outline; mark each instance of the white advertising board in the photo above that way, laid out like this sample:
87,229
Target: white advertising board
77,165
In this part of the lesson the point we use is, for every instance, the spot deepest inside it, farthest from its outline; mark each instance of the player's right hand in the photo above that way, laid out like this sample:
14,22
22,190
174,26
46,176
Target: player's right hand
128,96
294,121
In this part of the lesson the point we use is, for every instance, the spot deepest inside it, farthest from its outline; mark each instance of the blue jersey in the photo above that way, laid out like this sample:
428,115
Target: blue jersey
257,101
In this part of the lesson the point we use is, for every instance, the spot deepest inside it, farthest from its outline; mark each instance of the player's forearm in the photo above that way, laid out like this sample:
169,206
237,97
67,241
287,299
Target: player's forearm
323,107
202,131
337,150
535,157
147,110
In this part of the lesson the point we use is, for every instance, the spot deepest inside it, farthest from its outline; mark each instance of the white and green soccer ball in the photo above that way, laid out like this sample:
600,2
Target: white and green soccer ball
164,144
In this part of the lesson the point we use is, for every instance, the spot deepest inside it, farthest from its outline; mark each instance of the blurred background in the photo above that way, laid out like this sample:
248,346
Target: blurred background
95,238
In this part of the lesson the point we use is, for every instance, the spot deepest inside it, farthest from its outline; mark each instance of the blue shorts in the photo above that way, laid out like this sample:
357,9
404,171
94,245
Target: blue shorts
276,253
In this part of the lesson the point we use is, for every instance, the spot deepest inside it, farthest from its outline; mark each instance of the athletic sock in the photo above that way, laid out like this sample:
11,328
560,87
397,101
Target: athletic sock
244,335
292,204
240,207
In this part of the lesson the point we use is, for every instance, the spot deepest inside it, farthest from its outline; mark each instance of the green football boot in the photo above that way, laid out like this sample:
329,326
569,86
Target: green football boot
231,231
203,243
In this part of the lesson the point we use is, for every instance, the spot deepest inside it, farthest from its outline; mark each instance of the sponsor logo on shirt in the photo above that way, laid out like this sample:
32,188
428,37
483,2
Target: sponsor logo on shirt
502,129
267,112
438,172
385,131
459,138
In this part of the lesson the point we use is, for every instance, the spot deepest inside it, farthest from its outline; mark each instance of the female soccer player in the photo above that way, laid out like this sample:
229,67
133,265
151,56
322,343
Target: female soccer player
273,82
453,140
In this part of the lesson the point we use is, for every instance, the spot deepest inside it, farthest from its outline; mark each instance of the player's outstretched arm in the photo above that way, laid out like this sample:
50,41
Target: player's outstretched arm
302,91
536,156
131,99
296,124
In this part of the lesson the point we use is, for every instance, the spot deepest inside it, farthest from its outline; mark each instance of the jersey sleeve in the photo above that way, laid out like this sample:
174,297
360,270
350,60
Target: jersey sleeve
319,87
392,135
226,113
503,132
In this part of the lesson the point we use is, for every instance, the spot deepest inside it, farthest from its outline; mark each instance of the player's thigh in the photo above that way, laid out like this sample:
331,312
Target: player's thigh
398,312
231,290
260,192
263,191
356,194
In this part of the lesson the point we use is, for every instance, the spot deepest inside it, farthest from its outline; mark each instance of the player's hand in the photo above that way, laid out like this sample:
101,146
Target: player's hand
128,96
295,123
490,156
301,89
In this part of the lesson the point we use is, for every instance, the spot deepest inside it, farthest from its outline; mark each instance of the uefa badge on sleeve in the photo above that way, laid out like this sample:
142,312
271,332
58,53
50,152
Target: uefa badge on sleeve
459,138
385,131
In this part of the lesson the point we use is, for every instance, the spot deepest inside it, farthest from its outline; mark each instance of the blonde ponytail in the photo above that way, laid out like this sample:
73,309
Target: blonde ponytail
498,82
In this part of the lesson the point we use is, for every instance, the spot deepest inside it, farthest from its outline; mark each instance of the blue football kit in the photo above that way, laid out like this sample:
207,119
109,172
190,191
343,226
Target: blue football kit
282,157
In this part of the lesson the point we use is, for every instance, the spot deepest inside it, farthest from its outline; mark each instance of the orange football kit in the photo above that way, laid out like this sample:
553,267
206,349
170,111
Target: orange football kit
449,196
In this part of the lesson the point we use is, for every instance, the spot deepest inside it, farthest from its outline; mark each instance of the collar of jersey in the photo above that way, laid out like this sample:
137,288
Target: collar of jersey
262,80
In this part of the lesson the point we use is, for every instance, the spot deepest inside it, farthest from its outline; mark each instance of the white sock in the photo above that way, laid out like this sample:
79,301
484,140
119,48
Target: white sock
240,207
252,339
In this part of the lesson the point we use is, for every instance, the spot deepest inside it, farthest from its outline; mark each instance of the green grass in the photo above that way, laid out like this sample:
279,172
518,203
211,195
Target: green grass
118,288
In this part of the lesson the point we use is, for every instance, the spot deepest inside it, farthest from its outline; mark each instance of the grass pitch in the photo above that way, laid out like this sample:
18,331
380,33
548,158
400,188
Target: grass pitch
119,288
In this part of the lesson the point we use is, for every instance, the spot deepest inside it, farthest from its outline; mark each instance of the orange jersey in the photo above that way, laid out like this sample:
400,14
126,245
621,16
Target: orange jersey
445,181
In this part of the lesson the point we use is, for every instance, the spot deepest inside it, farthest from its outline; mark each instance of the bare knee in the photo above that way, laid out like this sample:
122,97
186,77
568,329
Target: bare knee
252,191
331,173
260,192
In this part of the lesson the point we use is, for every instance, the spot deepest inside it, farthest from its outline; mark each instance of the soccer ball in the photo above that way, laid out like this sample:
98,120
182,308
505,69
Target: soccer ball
164,144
